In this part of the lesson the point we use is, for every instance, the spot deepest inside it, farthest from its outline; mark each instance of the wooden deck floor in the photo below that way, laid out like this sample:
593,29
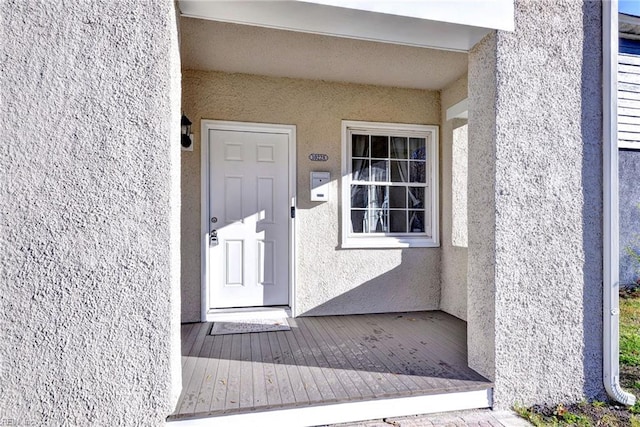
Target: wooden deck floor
324,360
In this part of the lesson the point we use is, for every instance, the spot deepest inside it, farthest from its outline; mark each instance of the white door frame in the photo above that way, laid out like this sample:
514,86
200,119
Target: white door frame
205,127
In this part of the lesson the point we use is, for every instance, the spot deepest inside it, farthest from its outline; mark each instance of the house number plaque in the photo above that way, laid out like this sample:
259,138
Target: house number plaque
315,157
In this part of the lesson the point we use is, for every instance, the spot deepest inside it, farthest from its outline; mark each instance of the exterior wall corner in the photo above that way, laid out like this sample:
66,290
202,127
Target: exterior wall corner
89,285
543,293
453,283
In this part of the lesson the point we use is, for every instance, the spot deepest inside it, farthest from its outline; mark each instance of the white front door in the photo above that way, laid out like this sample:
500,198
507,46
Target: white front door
249,211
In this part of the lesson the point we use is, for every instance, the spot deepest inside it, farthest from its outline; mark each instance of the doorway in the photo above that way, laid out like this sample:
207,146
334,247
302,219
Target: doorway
248,201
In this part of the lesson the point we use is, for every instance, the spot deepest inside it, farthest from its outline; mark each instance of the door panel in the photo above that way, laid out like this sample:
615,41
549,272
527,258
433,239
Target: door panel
249,181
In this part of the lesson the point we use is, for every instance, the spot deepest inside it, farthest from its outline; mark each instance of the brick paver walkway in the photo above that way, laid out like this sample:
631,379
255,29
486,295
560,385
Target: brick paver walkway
475,418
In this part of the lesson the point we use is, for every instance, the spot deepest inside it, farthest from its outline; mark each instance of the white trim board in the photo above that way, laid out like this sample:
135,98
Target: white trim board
459,110
350,240
495,14
440,31
349,412
629,145
235,314
205,127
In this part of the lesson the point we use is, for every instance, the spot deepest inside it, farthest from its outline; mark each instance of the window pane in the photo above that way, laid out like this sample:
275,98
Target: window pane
389,185
418,172
380,147
357,221
379,170
399,171
398,221
379,197
416,197
360,170
397,197
416,221
359,196
377,221
417,149
360,146
398,147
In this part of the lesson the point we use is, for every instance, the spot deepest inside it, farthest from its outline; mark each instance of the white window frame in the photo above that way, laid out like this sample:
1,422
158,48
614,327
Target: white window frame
361,240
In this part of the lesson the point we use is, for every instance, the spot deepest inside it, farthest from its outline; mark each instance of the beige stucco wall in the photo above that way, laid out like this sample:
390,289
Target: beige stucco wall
453,298
330,280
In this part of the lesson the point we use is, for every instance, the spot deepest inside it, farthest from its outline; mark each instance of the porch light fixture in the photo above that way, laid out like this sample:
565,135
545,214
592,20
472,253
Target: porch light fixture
185,129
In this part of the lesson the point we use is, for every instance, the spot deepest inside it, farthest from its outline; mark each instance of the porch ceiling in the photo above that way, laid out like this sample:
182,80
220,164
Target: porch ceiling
235,48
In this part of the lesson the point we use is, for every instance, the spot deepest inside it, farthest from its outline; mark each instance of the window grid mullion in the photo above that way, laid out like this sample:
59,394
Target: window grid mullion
379,213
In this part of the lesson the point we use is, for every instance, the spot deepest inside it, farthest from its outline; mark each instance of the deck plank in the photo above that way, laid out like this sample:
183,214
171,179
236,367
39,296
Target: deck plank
443,344
284,382
359,353
206,393
246,373
293,373
357,386
299,371
318,387
419,365
232,399
392,370
220,386
189,363
324,360
192,391
188,333
380,334
258,372
200,329
438,351
406,347
349,381
317,357
271,379
446,330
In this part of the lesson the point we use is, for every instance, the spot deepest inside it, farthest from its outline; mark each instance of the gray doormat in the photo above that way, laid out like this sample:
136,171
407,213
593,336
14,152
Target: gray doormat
247,326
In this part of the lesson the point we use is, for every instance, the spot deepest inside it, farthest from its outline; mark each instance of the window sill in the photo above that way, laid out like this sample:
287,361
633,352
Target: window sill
388,243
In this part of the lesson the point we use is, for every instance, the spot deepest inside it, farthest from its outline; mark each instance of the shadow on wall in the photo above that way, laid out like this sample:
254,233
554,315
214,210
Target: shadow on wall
592,207
378,294
405,287
190,234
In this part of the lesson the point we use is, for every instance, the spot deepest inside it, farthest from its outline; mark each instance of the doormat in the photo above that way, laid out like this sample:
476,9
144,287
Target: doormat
248,326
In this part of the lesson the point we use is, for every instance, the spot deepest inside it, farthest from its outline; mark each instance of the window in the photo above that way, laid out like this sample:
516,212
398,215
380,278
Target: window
389,185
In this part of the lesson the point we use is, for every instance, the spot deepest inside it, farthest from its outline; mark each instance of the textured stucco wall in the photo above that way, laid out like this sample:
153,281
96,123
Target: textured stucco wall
481,311
459,183
453,297
330,280
629,173
89,185
546,288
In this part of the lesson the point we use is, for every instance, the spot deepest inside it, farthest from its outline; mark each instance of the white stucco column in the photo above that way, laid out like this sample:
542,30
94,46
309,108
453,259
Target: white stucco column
89,188
535,205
